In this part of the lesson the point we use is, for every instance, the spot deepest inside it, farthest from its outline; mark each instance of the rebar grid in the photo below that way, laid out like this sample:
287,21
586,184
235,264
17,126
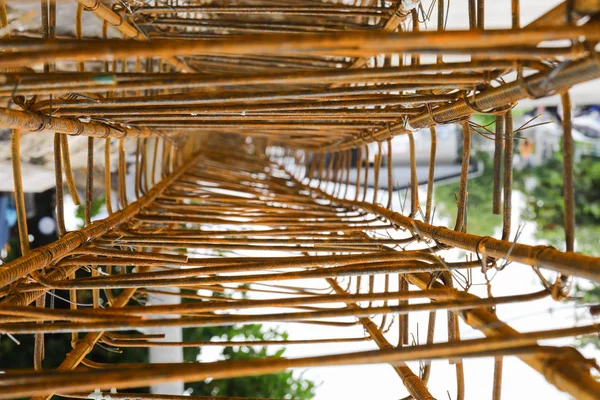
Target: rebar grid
244,116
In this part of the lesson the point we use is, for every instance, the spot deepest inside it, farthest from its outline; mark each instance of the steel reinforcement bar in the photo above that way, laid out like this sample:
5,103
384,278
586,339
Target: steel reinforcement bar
541,84
45,255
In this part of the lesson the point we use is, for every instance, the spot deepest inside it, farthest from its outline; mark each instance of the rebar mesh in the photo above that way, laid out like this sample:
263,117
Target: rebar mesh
248,118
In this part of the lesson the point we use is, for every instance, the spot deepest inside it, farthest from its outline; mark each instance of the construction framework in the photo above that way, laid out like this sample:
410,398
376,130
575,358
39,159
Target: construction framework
247,118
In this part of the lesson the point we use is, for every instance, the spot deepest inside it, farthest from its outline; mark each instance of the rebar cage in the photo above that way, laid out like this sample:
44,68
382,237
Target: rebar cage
237,126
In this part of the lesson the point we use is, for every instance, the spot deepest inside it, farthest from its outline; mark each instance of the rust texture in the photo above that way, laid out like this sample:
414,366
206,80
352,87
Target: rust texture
248,119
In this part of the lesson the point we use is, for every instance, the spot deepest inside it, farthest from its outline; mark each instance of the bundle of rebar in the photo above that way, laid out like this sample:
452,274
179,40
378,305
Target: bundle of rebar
247,120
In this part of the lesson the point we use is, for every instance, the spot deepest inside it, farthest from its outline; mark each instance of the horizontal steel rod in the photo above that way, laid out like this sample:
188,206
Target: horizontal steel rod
365,42
14,384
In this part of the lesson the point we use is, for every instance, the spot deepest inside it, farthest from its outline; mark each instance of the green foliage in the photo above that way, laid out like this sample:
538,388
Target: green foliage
545,197
281,385
95,208
487,120
480,220
543,189
587,238
57,346
20,356
590,295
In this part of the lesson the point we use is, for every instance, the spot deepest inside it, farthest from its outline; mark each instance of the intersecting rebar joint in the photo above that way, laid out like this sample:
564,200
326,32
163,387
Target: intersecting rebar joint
406,7
93,7
44,123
